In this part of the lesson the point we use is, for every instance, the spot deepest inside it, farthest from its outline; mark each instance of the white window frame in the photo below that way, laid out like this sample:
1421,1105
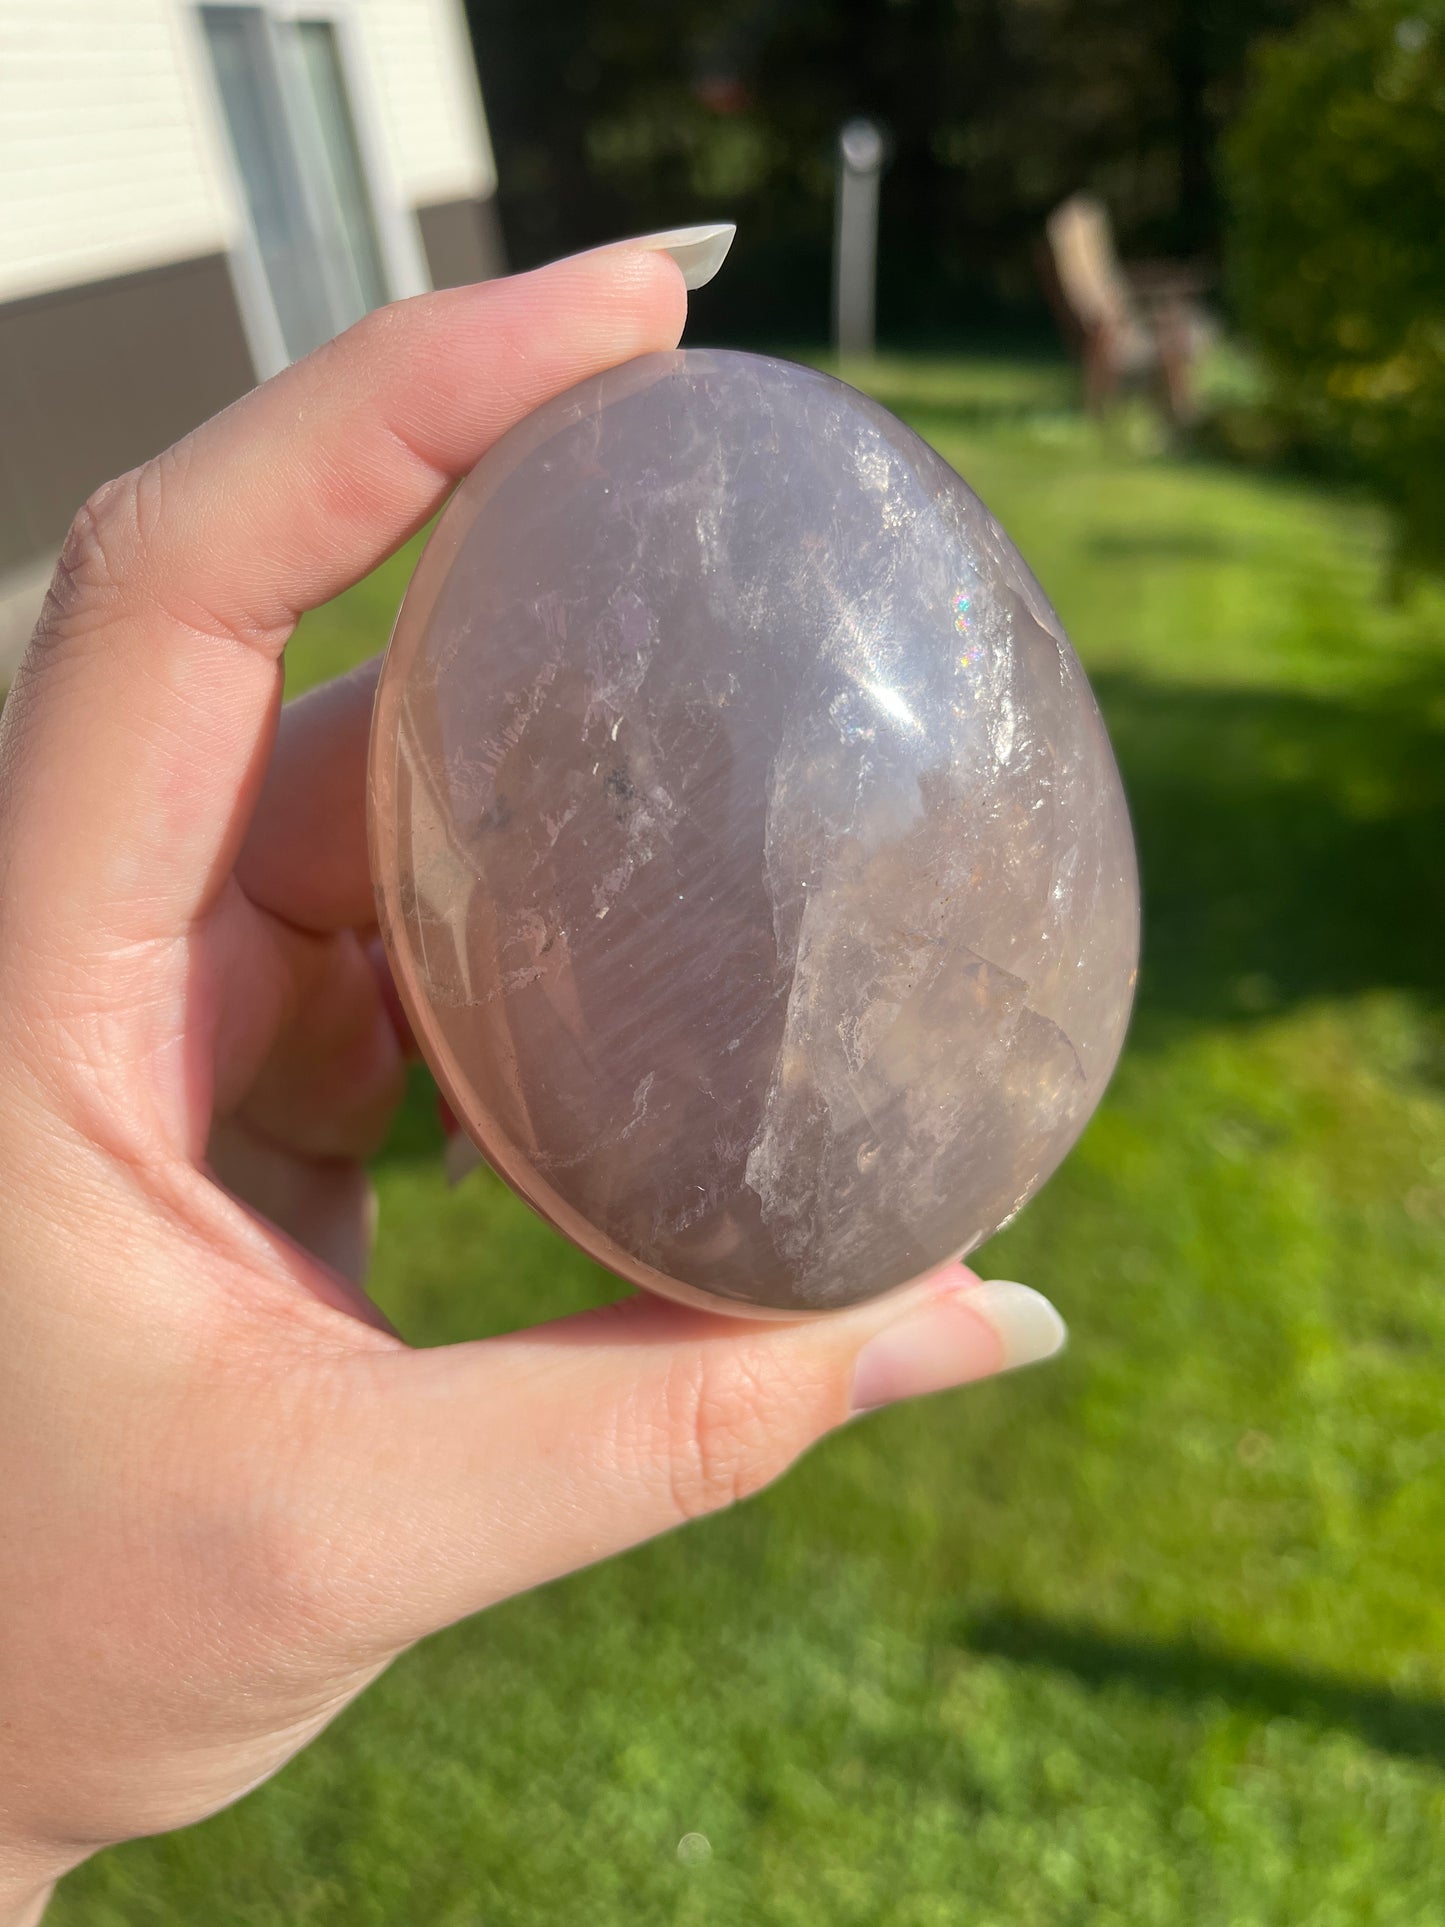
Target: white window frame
403,257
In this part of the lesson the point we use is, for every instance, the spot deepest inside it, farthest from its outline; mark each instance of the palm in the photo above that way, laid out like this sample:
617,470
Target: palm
225,1505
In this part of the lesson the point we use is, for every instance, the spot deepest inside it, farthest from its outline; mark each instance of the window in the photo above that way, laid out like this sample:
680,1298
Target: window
303,174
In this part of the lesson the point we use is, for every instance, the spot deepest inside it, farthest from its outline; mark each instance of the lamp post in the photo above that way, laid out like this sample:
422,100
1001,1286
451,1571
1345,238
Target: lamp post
855,236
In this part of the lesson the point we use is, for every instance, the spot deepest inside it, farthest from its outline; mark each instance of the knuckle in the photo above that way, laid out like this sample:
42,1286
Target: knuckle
376,326
267,1584
287,1577
94,560
732,1424
272,1537
119,556
381,331
154,485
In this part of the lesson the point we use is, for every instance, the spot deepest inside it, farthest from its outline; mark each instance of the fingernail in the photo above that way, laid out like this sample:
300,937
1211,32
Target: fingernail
698,251
959,1336
462,1158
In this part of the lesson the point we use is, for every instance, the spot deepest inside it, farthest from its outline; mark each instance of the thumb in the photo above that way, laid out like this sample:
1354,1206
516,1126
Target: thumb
496,1466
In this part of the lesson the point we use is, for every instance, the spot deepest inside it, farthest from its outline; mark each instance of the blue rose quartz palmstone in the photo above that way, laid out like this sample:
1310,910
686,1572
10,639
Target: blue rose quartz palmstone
749,849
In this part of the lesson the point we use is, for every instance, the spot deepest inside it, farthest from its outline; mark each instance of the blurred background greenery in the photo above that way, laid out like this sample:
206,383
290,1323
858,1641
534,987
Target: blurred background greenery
1336,216
1155,1634
1295,150
612,119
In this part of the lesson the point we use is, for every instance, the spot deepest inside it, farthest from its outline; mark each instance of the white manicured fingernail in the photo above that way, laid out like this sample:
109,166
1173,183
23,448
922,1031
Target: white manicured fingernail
698,251
1029,1327
971,1333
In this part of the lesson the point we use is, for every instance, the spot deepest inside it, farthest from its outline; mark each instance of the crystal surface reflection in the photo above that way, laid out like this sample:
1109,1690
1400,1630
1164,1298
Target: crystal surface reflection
748,846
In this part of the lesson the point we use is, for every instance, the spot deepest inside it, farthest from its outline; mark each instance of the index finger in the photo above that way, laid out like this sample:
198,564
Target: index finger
137,734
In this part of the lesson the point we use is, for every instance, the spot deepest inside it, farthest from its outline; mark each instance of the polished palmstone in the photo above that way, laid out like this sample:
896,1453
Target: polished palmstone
749,848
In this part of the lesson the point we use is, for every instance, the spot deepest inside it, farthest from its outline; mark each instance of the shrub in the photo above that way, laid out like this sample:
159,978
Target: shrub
1336,178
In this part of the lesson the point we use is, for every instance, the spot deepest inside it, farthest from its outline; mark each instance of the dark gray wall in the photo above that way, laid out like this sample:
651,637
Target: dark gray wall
463,242
96,378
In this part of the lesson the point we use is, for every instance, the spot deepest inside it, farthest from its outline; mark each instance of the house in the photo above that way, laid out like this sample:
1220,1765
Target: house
195,194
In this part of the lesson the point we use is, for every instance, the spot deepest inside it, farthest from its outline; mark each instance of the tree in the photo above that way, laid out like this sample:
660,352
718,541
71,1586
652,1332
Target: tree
612,116
1337,182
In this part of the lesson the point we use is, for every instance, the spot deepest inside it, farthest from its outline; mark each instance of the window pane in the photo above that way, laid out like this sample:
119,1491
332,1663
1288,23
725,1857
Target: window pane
266,162
348,202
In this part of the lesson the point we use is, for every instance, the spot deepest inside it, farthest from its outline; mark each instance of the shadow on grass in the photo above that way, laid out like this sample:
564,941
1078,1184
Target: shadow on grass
1291,845
1409,1725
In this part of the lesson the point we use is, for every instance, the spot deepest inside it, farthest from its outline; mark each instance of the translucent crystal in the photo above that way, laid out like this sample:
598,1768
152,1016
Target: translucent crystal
748,845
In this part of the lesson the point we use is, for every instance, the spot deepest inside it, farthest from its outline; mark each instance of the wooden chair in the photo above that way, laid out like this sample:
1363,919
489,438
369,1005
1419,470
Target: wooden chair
1126,325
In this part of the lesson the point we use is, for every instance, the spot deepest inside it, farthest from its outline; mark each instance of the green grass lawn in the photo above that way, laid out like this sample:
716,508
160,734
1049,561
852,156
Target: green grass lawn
1155,1634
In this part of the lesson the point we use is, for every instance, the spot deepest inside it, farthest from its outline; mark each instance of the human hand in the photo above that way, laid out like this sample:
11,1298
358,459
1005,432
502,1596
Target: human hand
230,1494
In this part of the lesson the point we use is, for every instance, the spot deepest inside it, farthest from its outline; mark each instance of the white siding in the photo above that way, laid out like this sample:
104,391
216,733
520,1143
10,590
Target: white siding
111,155
108,159
424,83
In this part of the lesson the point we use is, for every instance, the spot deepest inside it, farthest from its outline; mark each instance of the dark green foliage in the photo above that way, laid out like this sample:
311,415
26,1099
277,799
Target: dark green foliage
611,118
1337,181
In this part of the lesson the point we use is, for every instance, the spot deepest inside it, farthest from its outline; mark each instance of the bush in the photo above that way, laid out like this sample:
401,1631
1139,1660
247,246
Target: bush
1336,173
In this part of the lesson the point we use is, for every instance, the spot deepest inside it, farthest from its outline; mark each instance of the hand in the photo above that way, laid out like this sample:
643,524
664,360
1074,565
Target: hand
230,1495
